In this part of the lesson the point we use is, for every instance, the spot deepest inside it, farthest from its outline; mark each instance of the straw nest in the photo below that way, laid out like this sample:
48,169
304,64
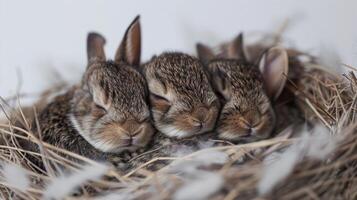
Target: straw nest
313,154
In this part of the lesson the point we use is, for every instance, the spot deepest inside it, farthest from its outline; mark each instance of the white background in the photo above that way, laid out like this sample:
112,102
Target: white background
38,36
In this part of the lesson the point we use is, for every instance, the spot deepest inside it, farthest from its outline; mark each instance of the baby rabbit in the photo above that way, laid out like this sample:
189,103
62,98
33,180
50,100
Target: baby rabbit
246,89
182,99
108,111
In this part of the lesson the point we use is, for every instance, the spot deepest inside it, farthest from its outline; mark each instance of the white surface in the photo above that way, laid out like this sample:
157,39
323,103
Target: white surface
39,35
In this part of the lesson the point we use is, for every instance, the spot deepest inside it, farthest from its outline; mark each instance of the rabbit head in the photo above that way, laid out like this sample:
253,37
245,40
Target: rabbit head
110,106
182,99
246,89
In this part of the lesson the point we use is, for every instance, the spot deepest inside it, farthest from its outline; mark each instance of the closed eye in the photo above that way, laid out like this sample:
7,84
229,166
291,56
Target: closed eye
144,120
99,111
158,98
100,107
160,103
214,102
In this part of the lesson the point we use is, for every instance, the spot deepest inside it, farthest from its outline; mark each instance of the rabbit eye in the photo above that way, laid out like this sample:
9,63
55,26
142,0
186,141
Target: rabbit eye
98,111
156,97
100,107
144,120
214,103
160,103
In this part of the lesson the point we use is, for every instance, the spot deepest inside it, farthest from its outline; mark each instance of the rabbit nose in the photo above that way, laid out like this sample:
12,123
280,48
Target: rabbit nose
201,114
127,141
252,119
131,128
136,132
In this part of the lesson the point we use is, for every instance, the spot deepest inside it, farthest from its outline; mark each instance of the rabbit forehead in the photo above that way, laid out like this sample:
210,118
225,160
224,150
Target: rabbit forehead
244,79
180,75
120,87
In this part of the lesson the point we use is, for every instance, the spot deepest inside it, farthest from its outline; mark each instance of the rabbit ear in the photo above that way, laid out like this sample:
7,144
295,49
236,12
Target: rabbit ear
237,49
205,54
95,47
274,67
219,82
130,47
218,77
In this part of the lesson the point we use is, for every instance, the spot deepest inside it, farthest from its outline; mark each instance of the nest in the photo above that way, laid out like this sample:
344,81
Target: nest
313,154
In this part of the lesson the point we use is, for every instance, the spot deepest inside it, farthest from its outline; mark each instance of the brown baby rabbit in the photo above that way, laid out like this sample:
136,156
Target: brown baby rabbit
182,99
246,89
108,111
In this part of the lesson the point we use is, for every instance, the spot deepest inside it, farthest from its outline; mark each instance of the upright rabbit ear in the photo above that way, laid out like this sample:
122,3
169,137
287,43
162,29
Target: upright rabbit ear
274,67
95,47
219,82
130,46
205,54
237,50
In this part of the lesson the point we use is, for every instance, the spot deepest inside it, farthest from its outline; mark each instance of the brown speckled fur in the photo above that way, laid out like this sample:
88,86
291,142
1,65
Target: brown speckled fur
186,99
247,113
248,100
108,111
284,105
58,130
183,74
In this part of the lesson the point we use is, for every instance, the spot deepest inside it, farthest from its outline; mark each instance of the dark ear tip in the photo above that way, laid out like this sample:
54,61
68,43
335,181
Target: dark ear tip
93,36
137,18
135,21
199,45
240,38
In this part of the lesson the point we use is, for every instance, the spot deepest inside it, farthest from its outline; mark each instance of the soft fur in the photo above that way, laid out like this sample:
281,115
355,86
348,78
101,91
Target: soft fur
183,101
245,89
108,111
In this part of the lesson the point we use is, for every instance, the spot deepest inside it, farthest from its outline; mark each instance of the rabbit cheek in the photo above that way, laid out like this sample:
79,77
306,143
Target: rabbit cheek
238,131
233,128
128,136
174,125
173,131
233,133
112,138
187,124
264,129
